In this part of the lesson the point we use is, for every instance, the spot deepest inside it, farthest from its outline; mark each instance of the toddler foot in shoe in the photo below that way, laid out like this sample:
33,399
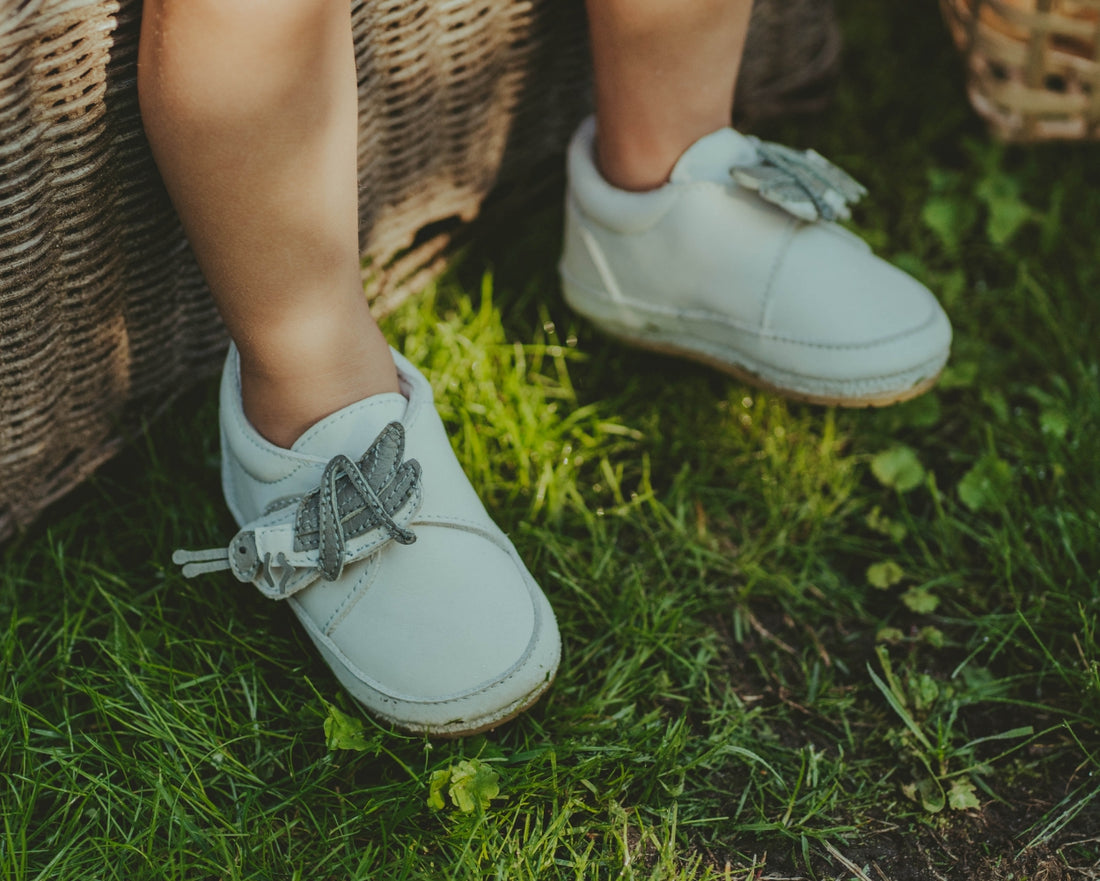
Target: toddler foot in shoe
737,261
369,530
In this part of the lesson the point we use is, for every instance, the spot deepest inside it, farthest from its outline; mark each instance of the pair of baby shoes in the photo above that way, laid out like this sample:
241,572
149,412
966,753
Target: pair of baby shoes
367,526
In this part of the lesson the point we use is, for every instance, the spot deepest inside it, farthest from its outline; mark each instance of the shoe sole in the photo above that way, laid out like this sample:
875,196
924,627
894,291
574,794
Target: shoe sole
910,383
453,734
879,399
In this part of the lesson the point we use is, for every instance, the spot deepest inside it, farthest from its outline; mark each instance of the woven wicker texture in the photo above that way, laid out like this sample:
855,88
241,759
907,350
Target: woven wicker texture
104,316
1033,65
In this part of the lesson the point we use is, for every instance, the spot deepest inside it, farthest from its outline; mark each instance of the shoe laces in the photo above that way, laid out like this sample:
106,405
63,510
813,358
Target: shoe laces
357,508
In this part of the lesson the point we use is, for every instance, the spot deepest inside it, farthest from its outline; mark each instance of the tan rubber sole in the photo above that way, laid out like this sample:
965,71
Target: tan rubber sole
454,734
747,376
489,726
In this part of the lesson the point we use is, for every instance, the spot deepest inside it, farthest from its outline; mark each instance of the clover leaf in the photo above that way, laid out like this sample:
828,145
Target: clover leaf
885,574
987,485
471,785
346,732
899,468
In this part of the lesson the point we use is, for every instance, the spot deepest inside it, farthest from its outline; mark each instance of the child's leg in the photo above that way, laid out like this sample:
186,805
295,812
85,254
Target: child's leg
665,74
250,108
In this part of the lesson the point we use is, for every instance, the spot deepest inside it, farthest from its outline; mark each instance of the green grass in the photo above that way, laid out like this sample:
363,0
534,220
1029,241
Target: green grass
737,699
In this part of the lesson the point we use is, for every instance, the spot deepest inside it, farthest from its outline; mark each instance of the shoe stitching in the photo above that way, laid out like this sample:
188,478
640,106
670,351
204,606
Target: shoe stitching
453,521
793,226
498,540
487,686
352,412
455,699
473,692
867,383
712,317
460,724
252,437
532,592
816,385
344,607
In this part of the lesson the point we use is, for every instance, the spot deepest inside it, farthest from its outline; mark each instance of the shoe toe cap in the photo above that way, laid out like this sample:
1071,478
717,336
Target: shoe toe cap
456,633
851,312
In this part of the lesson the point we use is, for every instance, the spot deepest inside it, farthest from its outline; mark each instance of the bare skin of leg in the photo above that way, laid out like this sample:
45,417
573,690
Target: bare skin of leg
250,108
665,74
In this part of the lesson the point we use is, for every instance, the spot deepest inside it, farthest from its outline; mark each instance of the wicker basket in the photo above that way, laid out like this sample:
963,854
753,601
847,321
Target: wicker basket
104,316
1033,65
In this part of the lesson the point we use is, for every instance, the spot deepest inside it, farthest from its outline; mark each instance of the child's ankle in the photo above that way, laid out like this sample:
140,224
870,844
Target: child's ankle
282,407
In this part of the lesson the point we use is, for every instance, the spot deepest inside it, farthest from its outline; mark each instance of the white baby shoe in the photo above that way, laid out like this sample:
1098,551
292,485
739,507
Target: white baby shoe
368,528
736,262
